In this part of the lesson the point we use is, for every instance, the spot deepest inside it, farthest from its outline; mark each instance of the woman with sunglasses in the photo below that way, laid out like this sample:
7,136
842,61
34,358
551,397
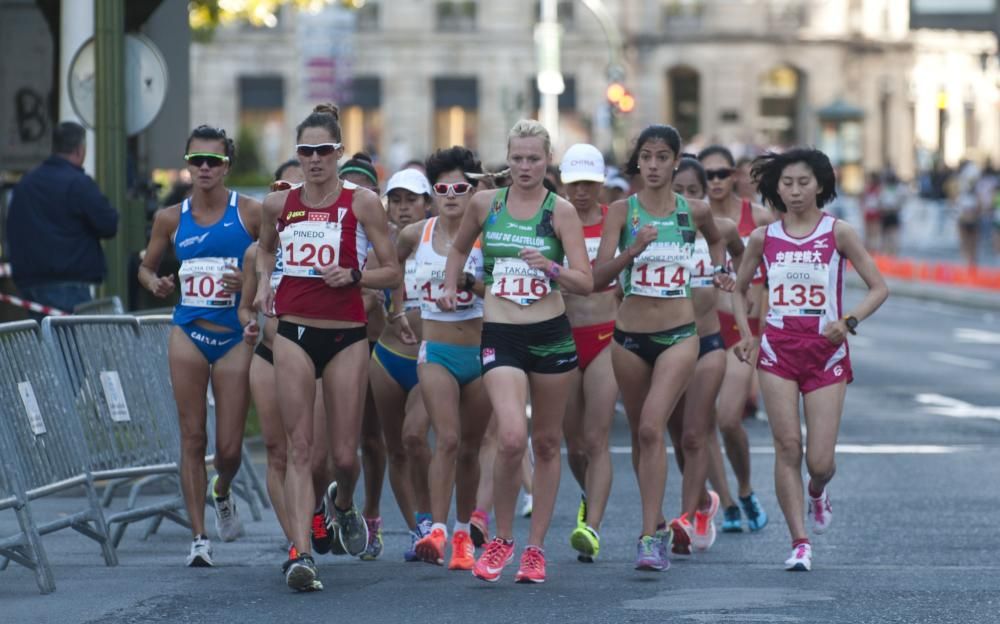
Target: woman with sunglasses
655,334
448,359
591,409
210,232
393,371
526,343
324,227
692,425
804,349
720,170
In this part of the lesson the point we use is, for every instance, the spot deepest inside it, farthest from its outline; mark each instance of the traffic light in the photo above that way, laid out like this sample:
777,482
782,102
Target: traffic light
620,99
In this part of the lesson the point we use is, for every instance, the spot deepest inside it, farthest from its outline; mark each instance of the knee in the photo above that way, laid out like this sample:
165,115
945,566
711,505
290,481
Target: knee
545,447
298,453
788,449
194,443
511,445
595,443
576,452
414,444
228,459
345,457
372,445
729,426
821,469
649,435
446,443
692,442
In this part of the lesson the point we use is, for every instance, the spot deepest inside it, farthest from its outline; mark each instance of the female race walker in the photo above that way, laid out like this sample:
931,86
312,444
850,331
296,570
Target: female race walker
655,334
527,342
448,362
804,350
210,233
323,228
722,176
593,393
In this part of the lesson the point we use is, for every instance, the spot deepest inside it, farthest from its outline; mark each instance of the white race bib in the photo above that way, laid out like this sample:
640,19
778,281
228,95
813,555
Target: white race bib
701,265
661,271
201,282
309,245
411,285
514,280
430,280
798,289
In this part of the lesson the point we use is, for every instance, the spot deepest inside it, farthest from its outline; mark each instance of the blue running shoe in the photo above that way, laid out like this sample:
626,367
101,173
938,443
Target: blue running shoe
732,520
756,517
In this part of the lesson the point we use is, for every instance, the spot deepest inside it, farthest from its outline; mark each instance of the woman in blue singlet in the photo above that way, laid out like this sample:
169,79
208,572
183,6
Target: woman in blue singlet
210,233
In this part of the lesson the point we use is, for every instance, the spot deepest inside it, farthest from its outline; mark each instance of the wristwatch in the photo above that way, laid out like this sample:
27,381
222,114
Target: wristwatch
468,282
852,324
720,269
355,276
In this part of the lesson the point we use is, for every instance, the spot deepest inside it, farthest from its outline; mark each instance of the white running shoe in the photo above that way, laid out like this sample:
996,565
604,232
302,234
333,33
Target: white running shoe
820,513
801,559
201,553
704,524
527,505
227,519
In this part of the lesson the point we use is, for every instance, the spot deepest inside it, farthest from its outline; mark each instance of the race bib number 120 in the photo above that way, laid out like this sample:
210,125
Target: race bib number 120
307,246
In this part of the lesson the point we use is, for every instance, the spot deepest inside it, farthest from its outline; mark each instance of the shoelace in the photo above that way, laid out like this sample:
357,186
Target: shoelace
319,527
800,552
495,553
533,560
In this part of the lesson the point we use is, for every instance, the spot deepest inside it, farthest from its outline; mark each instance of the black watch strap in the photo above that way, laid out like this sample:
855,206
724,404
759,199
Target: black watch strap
355,276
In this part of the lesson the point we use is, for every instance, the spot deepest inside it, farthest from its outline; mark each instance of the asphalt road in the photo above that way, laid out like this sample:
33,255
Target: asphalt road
915,537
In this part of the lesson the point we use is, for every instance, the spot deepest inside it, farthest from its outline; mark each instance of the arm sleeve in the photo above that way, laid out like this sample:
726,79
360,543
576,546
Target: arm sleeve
95,208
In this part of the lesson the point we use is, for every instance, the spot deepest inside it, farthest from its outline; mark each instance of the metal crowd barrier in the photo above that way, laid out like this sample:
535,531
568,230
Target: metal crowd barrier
107,305
130,430
39,443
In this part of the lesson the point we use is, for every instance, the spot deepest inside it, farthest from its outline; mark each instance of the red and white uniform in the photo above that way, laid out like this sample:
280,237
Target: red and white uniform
593,339
805,281
316,237
727,322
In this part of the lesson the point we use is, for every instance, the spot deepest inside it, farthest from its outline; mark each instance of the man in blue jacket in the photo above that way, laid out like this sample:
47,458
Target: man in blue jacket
55,224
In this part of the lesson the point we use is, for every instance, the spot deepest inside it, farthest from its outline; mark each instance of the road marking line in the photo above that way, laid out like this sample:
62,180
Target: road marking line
976,336
959,360
854,449
947,406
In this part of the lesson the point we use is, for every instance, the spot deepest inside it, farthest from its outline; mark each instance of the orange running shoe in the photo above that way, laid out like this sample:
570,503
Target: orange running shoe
492,562
462,552
532,566
430,548
682,535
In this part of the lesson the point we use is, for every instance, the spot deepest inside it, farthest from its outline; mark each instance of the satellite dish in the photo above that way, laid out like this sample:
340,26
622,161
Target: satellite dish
145,83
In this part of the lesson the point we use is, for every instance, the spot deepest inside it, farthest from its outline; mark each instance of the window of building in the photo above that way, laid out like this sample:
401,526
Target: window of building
971,129
367,18
456,15
567,99
679,15
781,92
261,141
456,112
361,121
684,101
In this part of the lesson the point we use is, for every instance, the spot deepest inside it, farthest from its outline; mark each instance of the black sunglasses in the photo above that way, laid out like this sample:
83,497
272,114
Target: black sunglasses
323,149
718,174
203,158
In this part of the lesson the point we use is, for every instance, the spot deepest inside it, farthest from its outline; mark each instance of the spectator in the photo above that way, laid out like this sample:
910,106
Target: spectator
57,219
615,188
872,214
968,209
890,203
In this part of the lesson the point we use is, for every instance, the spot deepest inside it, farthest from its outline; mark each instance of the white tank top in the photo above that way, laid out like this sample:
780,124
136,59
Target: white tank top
429,280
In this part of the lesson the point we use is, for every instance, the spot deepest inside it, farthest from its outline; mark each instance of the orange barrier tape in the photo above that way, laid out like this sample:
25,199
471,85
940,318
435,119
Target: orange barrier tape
938,272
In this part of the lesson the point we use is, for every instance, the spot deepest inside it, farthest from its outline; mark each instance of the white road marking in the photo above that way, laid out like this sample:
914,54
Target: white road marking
959,360
976,336
860,342
947,406
854,449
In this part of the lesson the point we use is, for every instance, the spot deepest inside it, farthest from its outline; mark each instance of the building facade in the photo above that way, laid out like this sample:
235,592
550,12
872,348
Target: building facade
410,76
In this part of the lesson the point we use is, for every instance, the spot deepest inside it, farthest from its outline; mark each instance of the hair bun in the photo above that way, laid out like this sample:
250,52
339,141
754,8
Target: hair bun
329,109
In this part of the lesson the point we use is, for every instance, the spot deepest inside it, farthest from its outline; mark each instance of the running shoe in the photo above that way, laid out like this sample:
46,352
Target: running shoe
732,520
492,562
756,517
649,554
586,542
374,548
801,559
301,574
227,520
320,533
820,513
332,528
201,553
352,530
463,553
411,552
532,568
704,524
479,528
665,538
581,512
682,532
527,505
431,547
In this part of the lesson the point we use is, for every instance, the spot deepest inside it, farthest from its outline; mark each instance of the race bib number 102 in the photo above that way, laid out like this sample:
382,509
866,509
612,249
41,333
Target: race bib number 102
201,282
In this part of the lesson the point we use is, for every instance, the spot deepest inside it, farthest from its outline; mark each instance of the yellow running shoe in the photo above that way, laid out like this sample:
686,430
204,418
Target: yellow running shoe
586,542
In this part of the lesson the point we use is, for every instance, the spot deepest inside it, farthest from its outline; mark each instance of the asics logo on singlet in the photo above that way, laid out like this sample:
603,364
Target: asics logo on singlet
212,342
192,240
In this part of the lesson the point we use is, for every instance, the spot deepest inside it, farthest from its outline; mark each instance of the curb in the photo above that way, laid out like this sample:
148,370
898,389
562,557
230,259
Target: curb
930,291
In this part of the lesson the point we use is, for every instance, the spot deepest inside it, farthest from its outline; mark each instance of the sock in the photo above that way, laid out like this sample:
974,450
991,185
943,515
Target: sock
461,526
813,493
320,508
508,542
481,512
215,493
538,548
799,542
421,517
440,525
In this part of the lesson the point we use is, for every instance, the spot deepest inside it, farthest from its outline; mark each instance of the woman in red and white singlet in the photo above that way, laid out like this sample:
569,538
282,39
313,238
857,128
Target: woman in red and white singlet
721,174
803,350
324,228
